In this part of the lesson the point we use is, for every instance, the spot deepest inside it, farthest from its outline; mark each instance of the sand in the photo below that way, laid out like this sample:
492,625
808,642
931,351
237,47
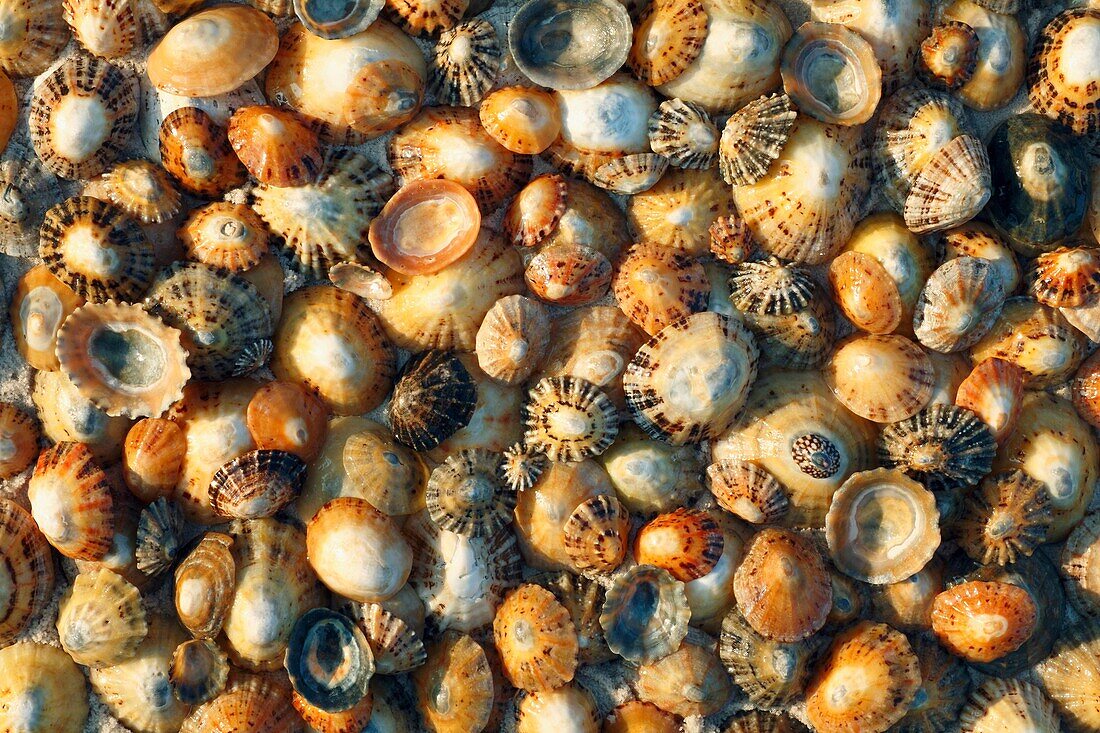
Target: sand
609,683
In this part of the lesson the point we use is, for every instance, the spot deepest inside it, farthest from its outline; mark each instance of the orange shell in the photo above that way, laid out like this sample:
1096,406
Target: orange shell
39,306
522,119
686,542
425,226
994,391
72,503
276,145
287,416
196,151
983,621
865,292
537,641
153,458
19,435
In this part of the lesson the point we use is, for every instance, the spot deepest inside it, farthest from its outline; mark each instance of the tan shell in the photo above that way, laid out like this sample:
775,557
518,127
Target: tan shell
142,190
865,292
949,55
656,286
28,573
1035,337
1002,55
685,134
427,225
748,491
39,306
596,534
1060,75
349,528
994,392
43,689
983,621
669,37
690,681
205,582
1003,705
894,28
679,210
72,501
67,416
881,378
513,339
198,671
688,543
1066,277
831,73
455,687
1081,566
38,33
225,235
959,304
1067,676
522,119
951,188
100,620
464,63
536,639
754,137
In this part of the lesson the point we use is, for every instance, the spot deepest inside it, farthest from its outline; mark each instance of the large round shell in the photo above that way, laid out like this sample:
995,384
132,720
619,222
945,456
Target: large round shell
39,305
656,285
894,28
881,378
329,660
831,73
564,44
357,551
26,573
679,211
690,681
1062,75
41,689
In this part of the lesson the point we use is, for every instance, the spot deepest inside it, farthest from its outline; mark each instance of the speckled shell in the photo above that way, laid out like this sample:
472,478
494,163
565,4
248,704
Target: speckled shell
669,37
195,150
569,419
256,484
770,672
28,570
656,285
976,239
630,174
960,302
894,28
249,702
434,396
455,689
67,416
679,210
159,537
687,543
536,639
1081,566
865,292
951,187
522,119
880,378
37,34
465,495
1061,77
949,55
100,620
141,189
27,190
942,446
277,146
385,473
1036,338
19,435
994,391
748,491
569,45
1002,55
849,92
753,137
685,134
982,621
1067,277
42,689
596,534
464,63
205,582
225,235
552,211
1006,705
1007,518
396,646
71,501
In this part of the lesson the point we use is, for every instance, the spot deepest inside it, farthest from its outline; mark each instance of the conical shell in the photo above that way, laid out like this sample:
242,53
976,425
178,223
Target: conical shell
951,188
464,63
949,55
849,92
287,416
41,689
634,716
959,304
159,537
977,239
1009,516
748,491
1002,52
205,584
684,133
153,458
38,34
570,45
596,534
522,119
1069,674
982,621
650,475
195,150
276,146
678,212
1059,77
1066,277
19,434
512,339
365,282
142,190
536,639
669,37
865,292
944,686
568,274
770,672
754,137
464,494
28,570
761,721
942,446
71,501
346,528
455,688
690,681
384,472
731,241
198,671
880,378
101,621
225,235
434,396
645,614
656,285
257,484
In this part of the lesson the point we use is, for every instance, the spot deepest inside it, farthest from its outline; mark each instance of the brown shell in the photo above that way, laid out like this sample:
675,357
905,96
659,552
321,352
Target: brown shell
383,96
153,458
951,188
684,133
226,235
983,621
656,285
205,582
1061,77
596,534
100,619
28,570
731,240
143,190
1002,53
753,138
426,17
948,56
396,646
277,146
257,484
465,495
196,151
568,274
19,434
687,543
455,687
287,416
522,119
569,419
748,490
1066,277
536,210
1007,517
38,35
689,681
880,378
668,38
464,63
198,672
425,226
71,501
994,392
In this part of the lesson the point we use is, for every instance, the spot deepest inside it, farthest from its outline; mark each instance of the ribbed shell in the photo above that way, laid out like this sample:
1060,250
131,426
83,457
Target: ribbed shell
951,187
782,586
257,484
645,614
1002,52
959,304
747,490
159,540
464,63
942,446
249,703
880,378
38,34
225,235
195,150
143,190
688,543
684,133
945,683
1081,566
464,495
568,274
28,570
153,458
596,534
396,646
1066,277
1069,676
771,673
1007,517
384,472
865,292
455,687
513,338
669,37
949,55
656,285
1036,338
522,119
536,639
205,583
982,621
41,689
433,398
762,721
731,241
71,501
19,434
100,619
1060,78
630,174
1006,706
754,137
276,146
677,212
67,416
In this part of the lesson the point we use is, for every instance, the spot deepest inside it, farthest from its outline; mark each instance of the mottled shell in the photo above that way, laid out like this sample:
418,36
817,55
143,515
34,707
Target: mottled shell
159,537
522,119
951,188
942,446
1036,338
71,501
645,614
1068,676
464,63
831,73
655,285
731,242
748,491
982,621
1061,76
256,484
689,681
225,235
19,434
27,576
685,134
1008,517
634,716
384,472
688,543
277,146
976,239
754,137
949,56
455,687
880,378
195,150
865,292
249,701
205,582
568,274
357,551
198,671
994,392
465,495
396,646
770,672
536,639
669,37
1081,566
1066,277
331,342
563,44
100,620
596,534
679,211
37,33
959,304
41,689
1002,55
512,339
434,396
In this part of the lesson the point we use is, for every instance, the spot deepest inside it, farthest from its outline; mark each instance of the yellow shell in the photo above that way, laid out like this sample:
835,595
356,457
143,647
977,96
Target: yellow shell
101,621
357,551
679,210
41,690
1002,55
690,681
522,119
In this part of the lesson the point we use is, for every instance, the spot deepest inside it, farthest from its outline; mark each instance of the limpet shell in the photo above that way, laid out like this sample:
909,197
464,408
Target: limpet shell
205,582
679,211
657,285
425,226
347,528
143,190
28,570
71,501
999,705
1081,566
384,472
326,19
27,189
596,534
942,446
249,700
982,621
455,687
100,620
198,672
951,187
1061,76
1036,338
880,378
536,639
329,661
689,681
994,391
42,690
66,416
770,672
1007,517
153,458
754,137
894,28
949,55
565,44
38,33
396,646
257,484
958,305
434,397
748,491
39,307
1067,676
831,73
685,134
688,543
1002,54
464,63
225,235
669,37
522,119
464,494
513,338
1066,277
645,614
277,146
195,150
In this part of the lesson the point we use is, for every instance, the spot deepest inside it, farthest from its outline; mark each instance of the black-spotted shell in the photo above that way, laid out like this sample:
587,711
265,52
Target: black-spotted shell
465,495
257,484
433,398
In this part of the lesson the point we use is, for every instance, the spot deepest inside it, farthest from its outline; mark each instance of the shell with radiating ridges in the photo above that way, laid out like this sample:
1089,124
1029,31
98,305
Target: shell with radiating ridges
41,689
19,434
257,484
396,646
100,619
994,391
1061,81
257,702
205,584
143,190
522,119
685,134
942,446
880,378
277,146
455,687
754,137
645,614
1008,516
982,621
464,63
195,150
770,672
688,543
656,285
71,501
464,494
159,537
1006,705
959,304
949,55
747,490
433,398
37,35
951,188
1036,338
28,570
153,458
596,534
1002,52
1081,566
668,38
512,339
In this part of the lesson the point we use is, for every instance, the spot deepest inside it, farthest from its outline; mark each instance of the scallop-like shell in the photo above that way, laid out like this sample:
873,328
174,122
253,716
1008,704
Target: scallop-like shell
782,586
942,446
513,338
82,116
396,646
959,304
831,73
769,672
568,274
687,382
685,134
464,63
195,150
669,37
1081,566
943,691
464,495
205,583
348,528
880,378
226,235
645,614
630,174
426,226
994,391
678,212
96,249
142,190
976,239
455,687
1060,76
596,534
889,673
522,119
1036,338
41,689
807,204
1006,705
126,361
730,241
220,314
329,660
39,306
28,573
101,620
1066,277
754,137
153,458
552,210
536,639
564,44
982,621
159,539
1007,517
747,490
257,484
277,146
259,702
323,19
326,221
1069,674
434,396
949,56
384,472
1002,55
19,434
37,36
213,51
198,671
951,188
71,501
520,467
689,681
656,285
687,543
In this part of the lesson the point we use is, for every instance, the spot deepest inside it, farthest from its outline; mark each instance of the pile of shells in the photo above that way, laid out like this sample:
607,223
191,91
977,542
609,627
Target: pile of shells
588,366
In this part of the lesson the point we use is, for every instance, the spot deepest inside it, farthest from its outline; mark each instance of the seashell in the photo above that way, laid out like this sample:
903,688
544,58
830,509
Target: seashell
205,585
678,212
455,688
831,73
645,614
748,491
634,716
95,249
153,458
71,501
384,472
908,261
536,639
657,285
1067,676
686,542
1002,54
257,484
564,44
512,339
287,416
1066,277
101,621
497,421
730,241
359,279
993,391
894,30
696,394
142,190
19,435
198,671
762,721
41,690
1085,392
769,672
249,701
888,673
159,537
464,63
823,168
434,396
38,34
276,146
66,416
630,174
983,621
951,188
520,467
583,597
326,222
975,239
882,527
112,28
570,704
213,52
450,143
865,292
522,119
943,690
782,586
568,274
719,82
195,150
426,226
1051,443
596,534
1058,75
27,189
225,235
907,604
1036,338
880,378
329,660
650,475
1030,153
395,645
754,137
949,56
942,446
28,574
445,309
1080,563
323,19
689,681
82,116
685,134
1000,705
552,211
465,496
349,527
960,302
543,511
1009,516
668,39
219,313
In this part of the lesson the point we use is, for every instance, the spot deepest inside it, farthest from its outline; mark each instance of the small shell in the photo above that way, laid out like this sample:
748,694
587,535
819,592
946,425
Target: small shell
512,339
771,673
568,274
455,687
831,73
396,646
42,689
684,133
635,716
426,226
96,249
28,573
38,34
27,189
1081,566
960,302
942,446
881,378
994,392
256,484
730,240
748,491
865,292
983,621
650,475
220,314
1066,277
943,690
1007,517
1008,705
782,586
159,537
1036,338
536,210
686,542
198,672
82,116
205,584
19,434
630,174
347,528
434,396
329,660
645,614
520,467
277,146
323,19
249,701
677,213
286,416
949,56
384,472
951,188
522,119
365,282
1002,54
213,52
465,496
669,37
882,527
225,235
689,681
464,63
569,419
888,673
536,639
657,285
71,501
976,239
153,458
101,620
762,721
596,534
565,44
382,96
1060,76
754,137
142,190
195,150
687,382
